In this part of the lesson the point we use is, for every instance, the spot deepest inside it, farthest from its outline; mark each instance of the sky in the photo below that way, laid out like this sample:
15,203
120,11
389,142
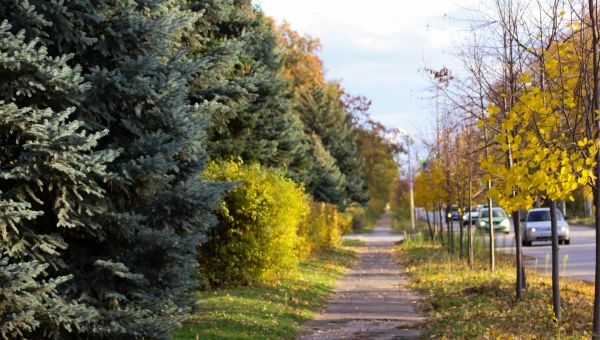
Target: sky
377,47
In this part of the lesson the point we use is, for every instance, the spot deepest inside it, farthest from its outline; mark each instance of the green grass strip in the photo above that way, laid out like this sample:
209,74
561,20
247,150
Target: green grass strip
268,312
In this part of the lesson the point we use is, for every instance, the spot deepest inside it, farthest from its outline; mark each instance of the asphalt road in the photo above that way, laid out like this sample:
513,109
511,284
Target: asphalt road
579,263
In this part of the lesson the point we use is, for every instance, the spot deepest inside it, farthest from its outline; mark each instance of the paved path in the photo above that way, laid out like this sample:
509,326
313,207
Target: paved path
371,301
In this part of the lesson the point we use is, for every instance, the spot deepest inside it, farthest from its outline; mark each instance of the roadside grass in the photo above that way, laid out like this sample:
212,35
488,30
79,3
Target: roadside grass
353,243
268,312
584,221
403,226
477,304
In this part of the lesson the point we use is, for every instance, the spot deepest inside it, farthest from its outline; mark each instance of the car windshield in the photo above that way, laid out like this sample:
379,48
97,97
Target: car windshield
542,215
495,213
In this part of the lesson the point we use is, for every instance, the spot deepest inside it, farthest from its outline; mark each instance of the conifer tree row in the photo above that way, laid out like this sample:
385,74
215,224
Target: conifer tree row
118,221
109,111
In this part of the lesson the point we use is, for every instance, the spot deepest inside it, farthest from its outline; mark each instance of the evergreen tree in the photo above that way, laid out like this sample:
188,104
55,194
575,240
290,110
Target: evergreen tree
256,123
51,185
327,182
132,263
323,114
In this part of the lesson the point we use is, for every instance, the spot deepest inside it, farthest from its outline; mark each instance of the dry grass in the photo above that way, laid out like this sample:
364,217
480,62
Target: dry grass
478,304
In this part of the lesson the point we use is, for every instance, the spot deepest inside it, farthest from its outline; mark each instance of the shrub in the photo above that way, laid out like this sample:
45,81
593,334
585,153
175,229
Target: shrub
324,226
362,219
256,240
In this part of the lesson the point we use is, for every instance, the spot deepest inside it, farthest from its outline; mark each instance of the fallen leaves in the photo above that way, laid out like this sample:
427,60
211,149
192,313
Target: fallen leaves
476,304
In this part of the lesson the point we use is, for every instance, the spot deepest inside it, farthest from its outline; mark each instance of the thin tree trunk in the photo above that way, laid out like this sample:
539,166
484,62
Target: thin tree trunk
519,256
460,226
470,230
429,224
490,209
449,226
595,106
441,224
555,273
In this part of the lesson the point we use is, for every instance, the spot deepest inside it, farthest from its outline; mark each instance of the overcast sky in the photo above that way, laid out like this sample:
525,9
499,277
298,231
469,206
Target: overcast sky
377,47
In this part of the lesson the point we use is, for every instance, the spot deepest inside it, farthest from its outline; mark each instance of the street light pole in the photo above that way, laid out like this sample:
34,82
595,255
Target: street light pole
410,181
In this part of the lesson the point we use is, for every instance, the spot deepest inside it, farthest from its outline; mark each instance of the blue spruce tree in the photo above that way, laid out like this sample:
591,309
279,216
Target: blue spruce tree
131,261
257,123
51,188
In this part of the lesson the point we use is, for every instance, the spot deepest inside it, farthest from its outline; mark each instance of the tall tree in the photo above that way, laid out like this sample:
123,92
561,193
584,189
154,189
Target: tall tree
51,185
133,264
257,123
323,114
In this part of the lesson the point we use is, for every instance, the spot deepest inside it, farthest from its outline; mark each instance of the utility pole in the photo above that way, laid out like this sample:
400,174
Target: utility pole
410,180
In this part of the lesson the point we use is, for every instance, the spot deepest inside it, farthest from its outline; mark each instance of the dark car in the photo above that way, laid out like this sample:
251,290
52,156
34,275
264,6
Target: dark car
455,213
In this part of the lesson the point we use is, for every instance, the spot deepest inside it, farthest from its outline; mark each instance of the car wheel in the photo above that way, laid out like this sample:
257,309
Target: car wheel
567,241
506,233
525,243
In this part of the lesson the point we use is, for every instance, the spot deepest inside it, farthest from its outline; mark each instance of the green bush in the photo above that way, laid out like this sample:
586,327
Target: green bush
256,240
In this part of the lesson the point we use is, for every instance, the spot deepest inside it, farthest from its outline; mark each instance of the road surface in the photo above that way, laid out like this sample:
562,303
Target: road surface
580,264
580,261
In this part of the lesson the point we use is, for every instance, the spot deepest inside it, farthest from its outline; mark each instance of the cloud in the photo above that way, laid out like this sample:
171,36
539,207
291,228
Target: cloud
376,48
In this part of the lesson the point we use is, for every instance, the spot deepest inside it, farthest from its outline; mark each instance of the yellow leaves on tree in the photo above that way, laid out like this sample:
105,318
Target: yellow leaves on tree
548,157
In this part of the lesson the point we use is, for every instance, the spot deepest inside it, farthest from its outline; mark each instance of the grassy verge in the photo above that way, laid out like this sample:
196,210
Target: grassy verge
402,225
353,243
478,304
268,312
584,221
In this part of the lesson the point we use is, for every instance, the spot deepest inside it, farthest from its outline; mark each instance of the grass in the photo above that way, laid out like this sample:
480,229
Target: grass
353,243
268,312
586,221
402,225
478,304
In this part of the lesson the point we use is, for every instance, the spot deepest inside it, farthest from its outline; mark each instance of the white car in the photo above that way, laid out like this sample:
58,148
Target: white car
474,215
537,227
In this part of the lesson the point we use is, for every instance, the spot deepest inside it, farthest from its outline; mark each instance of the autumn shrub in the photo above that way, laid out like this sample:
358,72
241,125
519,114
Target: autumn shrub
324,226
256,240
362,219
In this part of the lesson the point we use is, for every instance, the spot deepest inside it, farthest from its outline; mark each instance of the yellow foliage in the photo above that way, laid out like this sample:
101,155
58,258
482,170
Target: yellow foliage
547,161
324,226
256,239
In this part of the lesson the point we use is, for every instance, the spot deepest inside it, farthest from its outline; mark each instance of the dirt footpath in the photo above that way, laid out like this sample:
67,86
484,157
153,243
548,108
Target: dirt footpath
371,301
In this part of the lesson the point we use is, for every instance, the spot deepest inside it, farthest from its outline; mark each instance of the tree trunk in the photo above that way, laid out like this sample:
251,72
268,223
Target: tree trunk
490,208
519,256
491,224
429,224
441,225
555,272
470,230
595,106
460,225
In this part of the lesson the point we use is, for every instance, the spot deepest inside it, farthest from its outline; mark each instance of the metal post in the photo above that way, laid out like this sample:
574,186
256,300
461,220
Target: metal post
410,181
